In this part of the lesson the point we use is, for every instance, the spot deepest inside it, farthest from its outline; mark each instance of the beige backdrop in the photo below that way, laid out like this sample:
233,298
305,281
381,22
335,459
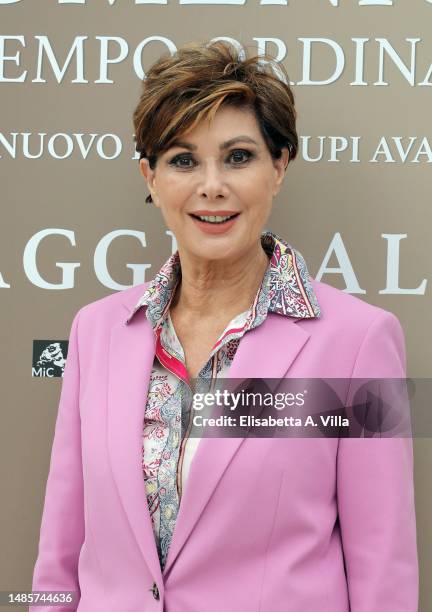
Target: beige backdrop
340,199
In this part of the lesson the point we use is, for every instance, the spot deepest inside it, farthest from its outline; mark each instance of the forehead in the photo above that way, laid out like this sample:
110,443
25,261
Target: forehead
229,125
229,118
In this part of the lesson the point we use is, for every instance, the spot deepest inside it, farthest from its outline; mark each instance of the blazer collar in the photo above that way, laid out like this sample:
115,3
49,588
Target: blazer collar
286,284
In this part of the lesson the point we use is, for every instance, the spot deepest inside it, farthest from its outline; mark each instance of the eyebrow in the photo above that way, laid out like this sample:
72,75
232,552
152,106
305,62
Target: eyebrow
223,145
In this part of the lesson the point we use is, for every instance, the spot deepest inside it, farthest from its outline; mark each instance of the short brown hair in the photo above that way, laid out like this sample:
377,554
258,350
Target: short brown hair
182,89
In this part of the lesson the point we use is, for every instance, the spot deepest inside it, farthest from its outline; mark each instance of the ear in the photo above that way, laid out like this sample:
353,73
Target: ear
280,165
149,177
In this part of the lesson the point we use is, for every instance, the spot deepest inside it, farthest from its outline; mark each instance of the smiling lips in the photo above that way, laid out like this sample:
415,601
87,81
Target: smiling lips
214,213
214,222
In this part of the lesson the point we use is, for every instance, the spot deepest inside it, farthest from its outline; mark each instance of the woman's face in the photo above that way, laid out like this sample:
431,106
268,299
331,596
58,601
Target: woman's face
222,169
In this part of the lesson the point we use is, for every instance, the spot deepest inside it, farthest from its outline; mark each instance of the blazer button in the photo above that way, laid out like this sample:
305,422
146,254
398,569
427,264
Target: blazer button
155,590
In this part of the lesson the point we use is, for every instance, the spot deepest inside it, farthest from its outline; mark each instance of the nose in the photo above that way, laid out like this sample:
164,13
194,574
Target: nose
212,181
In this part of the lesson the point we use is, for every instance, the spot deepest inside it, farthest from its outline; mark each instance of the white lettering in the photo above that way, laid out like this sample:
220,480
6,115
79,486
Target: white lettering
77,47
29,260
393,246
100,260
345,268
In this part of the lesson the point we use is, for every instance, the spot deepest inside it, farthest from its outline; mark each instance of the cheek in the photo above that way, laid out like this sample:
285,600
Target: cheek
171,185
172,193
257,182
256,193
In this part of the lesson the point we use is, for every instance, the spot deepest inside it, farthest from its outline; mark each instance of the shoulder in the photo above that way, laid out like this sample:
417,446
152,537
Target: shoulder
369,336
346,309
351,321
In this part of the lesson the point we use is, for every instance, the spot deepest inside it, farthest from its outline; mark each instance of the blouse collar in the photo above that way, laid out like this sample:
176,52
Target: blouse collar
290,290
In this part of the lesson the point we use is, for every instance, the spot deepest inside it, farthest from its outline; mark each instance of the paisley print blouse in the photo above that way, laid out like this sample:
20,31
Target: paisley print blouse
167,450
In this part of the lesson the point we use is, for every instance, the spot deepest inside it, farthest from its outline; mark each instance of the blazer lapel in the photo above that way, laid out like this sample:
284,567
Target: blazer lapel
131,358
267,351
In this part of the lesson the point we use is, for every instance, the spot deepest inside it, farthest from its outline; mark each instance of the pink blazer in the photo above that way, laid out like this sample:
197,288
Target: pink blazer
264,525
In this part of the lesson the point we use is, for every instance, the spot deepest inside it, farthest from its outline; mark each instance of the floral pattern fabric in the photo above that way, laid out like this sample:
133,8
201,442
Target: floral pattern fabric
285,289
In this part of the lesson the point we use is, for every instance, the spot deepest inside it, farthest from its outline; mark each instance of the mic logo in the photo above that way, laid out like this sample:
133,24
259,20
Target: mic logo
49,358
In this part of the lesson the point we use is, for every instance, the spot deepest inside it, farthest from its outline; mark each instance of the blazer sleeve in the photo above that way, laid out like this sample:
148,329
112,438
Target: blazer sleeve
62,526
375,492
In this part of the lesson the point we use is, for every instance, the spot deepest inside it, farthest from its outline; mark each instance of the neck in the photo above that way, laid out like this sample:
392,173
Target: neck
210,288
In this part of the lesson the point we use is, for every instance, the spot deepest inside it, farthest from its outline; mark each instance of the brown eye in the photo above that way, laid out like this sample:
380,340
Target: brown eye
241,155
181,158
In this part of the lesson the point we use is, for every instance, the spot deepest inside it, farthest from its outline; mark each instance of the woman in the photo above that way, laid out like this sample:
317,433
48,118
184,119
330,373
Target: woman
140,516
